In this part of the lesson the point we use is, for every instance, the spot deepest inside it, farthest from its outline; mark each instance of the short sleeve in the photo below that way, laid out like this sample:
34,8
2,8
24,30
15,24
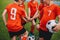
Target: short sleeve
22,13
41,13
28,4
7,7
40,7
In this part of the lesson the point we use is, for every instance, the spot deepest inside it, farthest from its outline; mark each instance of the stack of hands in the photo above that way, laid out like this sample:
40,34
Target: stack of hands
29,19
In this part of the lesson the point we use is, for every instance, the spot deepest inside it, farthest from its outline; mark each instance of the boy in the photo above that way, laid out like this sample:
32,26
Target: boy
41,6
13,23
32,10
50,12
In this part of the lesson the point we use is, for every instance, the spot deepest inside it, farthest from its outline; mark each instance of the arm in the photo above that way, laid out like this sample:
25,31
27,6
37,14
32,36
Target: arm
25,19
36,13
4,16
34,17
29,12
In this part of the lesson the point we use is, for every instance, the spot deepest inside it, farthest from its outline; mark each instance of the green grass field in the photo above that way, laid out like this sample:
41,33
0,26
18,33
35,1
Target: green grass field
3,30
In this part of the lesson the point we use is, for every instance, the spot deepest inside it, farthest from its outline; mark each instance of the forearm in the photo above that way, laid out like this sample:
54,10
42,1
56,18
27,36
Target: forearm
36,13
4,16
29,12
26,15
4,19
34,17
25,19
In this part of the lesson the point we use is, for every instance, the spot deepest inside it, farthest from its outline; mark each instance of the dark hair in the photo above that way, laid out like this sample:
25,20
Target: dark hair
16,0
24,0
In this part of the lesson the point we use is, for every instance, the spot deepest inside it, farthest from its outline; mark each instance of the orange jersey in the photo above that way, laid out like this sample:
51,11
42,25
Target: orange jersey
33,8
41,6
14,17
49,13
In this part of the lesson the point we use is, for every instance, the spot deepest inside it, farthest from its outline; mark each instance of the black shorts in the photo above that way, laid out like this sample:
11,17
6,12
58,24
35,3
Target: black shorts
35,20
46,35
17,33
23,23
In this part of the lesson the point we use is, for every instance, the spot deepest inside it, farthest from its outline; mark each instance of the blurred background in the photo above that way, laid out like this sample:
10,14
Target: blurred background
3,30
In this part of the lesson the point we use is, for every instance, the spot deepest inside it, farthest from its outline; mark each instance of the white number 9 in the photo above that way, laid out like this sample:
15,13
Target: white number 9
13,13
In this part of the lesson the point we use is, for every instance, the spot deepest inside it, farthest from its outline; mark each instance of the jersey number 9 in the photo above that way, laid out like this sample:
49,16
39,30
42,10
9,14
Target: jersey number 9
13,13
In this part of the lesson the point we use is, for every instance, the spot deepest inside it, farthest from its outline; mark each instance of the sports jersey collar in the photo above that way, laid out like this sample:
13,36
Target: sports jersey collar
22,4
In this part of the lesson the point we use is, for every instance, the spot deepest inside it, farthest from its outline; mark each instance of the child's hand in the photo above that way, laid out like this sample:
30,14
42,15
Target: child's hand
57,28
28,18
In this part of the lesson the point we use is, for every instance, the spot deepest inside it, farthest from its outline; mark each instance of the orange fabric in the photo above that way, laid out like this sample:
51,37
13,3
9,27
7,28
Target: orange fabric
24,38
14,25
33,7
32,29
22,6
41,6
49,13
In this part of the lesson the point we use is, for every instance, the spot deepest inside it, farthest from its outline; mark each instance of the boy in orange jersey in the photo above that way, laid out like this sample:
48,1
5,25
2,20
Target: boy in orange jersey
41,6
14,26
32,10
50,12
23,22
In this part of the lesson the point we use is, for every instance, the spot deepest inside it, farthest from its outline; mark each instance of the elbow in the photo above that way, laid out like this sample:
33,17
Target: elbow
4,13
59,16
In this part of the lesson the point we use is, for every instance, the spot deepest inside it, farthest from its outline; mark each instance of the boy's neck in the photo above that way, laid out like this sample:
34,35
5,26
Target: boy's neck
16,2
51,3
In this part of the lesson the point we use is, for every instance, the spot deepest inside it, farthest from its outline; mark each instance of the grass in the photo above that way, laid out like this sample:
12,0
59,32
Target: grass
3,30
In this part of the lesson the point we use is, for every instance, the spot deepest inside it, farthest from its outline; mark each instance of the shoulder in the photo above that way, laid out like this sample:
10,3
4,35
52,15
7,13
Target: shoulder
55,5
36,2
9,5
41,5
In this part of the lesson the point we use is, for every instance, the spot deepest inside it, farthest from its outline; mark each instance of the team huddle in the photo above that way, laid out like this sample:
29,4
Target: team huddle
46,13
